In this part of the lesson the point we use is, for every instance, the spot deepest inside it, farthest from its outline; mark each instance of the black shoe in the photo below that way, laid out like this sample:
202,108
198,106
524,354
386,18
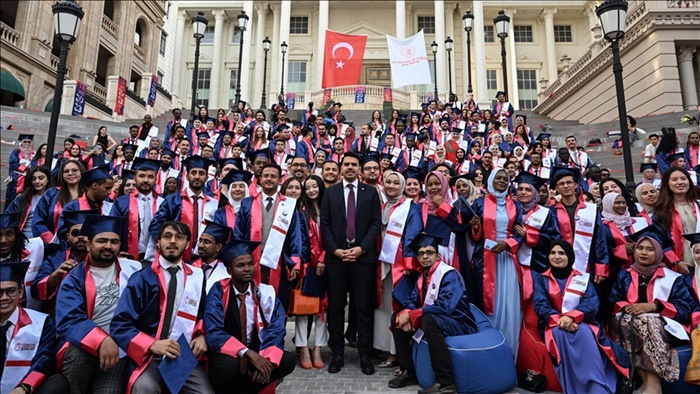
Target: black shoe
404,379
336,364
436,388
366,365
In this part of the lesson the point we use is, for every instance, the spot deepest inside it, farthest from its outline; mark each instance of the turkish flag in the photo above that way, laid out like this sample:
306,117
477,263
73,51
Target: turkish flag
343,59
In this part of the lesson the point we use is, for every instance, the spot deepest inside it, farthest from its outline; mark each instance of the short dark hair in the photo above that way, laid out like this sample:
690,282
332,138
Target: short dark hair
272,165
350,154
571,136
179,126
306,131
536,153
179,227
487,152
134,126
331,162
653,135
72,141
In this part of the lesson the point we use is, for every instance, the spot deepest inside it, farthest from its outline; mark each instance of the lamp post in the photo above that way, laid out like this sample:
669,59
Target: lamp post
434,47
502,22
448,47
266,48
284,52
199,26
612,14
242,24
67,17
468,22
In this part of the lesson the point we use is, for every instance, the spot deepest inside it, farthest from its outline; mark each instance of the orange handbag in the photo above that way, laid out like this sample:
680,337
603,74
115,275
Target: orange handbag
692,373
301,304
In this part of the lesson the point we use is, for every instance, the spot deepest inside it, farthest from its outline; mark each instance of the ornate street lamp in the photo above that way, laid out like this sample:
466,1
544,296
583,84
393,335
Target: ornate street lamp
612,15
434,47
468,22
284,47
448,46
199,26
67,16
502,22
266,48
242,24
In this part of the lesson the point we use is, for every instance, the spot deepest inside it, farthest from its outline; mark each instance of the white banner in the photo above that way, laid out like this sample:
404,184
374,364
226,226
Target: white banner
409,61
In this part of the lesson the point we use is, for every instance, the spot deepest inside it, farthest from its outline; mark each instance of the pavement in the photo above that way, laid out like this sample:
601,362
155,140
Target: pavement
349,380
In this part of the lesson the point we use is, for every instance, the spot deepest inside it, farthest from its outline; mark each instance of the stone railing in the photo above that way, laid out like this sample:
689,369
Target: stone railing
140,53
374,97
8,34
109,26
100,91
683,4
54,61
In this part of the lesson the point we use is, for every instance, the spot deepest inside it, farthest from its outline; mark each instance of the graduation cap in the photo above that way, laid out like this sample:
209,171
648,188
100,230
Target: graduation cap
559,172
656,232
75,136
237,176
414,173
167,152
368,158
500,93
235,248
386,156
23,137
478,134
675,156
338,104
457,130
243,102
296,123
425,105
128,175
197,162
14,271
522,116
131,147
416,114
96,174
282,127
71,218
203,134
411,135
466,177
174,372
144,164
542,136
98,224
220,233
531,179
648,166
238,162
259,153
9,220
423,240
693,238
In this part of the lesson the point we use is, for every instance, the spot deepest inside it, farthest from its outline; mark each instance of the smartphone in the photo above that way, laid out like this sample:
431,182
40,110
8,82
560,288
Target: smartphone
489,243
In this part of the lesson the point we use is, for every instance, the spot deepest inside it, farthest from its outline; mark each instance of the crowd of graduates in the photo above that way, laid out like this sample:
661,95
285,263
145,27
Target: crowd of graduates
117,273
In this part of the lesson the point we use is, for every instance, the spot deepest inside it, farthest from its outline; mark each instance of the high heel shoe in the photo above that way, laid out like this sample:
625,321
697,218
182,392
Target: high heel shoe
305,358
317,358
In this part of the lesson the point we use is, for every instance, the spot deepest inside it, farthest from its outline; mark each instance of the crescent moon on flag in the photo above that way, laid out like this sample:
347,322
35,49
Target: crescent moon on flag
343,45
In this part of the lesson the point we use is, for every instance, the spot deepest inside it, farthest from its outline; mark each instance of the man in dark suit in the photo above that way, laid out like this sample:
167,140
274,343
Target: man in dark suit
351,258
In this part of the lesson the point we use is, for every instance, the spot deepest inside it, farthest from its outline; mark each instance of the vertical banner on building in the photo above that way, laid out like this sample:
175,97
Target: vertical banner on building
388,95
79,101
360,94
342,61
327,96
291,100
121,96
152,92
409,61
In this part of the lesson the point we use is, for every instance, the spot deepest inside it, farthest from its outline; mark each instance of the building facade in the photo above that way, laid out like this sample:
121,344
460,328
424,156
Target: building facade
545,40
116,39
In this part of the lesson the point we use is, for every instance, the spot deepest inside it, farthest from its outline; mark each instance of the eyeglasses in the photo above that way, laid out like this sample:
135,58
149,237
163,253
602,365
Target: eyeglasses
427,253
178,237
298,164
74,233
604,175
371,168
12,292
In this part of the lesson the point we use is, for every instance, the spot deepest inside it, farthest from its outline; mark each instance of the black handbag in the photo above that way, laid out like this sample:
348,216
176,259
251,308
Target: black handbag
532,381
626,385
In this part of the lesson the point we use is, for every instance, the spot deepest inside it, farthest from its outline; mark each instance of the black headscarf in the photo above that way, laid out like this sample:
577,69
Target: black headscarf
561,273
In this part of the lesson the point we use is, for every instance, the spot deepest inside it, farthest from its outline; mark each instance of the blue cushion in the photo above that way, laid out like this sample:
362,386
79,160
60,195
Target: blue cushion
681,387
481,362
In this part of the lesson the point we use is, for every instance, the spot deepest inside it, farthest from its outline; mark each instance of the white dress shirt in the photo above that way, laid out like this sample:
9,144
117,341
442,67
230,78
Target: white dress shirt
250,315
165,264
12,321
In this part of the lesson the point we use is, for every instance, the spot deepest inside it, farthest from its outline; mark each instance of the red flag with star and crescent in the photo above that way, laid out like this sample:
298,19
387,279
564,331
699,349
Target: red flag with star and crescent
343,59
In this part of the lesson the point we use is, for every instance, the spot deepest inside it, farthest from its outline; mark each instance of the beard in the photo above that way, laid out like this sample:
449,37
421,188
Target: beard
104,256
172,256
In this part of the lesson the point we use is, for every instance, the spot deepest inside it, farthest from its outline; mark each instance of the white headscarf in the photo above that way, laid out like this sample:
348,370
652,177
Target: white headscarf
500,196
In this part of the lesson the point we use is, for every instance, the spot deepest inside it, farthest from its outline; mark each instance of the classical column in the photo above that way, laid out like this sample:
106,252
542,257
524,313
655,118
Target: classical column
261,12
685,68
449,31
479,77
441,54
592,21
285,15
548,15
400,18
275,55
214,92
321,44
179,63
247,43
513,66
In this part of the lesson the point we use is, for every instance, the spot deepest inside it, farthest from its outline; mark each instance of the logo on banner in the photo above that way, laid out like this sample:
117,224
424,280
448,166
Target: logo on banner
152,92
79,101
360,94
408,52
327,95
121,96
291,100
388,95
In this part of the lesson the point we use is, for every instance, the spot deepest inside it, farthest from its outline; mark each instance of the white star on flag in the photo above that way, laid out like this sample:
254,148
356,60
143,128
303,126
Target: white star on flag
339,64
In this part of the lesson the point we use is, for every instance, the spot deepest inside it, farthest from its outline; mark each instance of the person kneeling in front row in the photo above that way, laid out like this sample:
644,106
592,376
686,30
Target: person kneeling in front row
438,307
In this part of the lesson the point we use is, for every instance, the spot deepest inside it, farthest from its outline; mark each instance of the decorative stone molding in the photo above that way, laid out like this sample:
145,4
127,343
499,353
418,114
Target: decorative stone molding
685,54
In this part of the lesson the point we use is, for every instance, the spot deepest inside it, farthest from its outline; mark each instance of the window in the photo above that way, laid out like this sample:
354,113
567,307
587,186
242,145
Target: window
491,84
489,35
232,84
299,25
527,89
236,35
166,7
160,76
163,42
296,82
427,24
522,33
208,34
203,83
562,34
